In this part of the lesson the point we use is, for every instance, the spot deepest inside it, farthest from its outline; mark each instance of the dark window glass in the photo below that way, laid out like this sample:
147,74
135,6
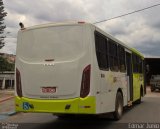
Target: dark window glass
142,64
113,56
134,63
133,60
101,51
109,54
137,63
121,54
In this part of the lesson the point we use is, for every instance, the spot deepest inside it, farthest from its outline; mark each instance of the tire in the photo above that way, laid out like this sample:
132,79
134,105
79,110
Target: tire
118,107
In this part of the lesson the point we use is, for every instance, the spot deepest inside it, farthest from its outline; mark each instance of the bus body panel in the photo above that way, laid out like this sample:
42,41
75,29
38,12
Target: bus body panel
64,72
75,105
70,56
56,56
109,86
138,82
106,87
35,77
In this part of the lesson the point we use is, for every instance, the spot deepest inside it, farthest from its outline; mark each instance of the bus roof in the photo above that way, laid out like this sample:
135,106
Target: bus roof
137,52
54,24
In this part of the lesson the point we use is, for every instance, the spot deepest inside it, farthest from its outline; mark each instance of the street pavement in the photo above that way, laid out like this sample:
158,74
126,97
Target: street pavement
152,94
7,107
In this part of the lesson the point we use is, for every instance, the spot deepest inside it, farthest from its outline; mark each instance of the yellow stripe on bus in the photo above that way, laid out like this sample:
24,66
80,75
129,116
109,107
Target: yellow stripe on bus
75,106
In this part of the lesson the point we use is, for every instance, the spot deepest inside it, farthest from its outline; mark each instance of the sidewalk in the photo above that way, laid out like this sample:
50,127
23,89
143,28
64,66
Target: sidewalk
6,94
152,94
7,103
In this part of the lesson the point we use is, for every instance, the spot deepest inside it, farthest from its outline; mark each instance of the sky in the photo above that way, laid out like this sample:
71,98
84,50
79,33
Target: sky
140,30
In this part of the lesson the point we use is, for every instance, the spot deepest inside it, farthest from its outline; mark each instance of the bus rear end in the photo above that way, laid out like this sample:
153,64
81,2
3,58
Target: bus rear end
53,70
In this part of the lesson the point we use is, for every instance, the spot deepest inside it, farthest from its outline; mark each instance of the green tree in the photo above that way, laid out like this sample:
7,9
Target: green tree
2,25
5,65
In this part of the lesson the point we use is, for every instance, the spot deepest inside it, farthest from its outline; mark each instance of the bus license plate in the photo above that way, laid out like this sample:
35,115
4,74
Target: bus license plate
48,89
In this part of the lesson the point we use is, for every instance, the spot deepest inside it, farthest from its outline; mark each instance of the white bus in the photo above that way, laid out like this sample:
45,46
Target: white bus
75,68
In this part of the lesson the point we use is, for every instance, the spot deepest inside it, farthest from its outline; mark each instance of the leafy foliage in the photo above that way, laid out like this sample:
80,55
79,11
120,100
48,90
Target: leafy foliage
5,65
2,26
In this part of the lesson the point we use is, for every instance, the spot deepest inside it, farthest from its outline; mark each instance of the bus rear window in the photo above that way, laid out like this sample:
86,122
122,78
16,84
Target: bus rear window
60,43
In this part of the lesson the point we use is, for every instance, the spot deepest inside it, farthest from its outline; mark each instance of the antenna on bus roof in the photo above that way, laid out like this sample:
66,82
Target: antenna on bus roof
21,25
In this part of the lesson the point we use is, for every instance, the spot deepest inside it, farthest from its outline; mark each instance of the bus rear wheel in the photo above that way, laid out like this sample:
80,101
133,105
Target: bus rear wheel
118,106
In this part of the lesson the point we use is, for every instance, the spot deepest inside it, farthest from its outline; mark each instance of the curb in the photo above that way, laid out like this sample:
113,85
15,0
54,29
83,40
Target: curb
12,113
7,98
9,113
4,116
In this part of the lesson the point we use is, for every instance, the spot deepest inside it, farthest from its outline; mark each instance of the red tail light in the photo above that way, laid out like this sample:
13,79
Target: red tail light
18,83
85,84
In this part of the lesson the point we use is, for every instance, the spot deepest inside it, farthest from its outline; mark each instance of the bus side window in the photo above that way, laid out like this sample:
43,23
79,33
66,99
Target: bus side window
134,63
137,64
113,57
140,65
101,51
121,54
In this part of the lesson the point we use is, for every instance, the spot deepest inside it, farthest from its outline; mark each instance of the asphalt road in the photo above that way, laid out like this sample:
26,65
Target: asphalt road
146,112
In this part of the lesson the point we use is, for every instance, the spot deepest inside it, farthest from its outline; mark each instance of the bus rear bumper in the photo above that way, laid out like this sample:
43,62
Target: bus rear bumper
68,106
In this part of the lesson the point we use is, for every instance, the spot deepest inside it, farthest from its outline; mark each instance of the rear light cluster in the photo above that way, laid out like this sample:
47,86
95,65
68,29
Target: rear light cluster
18,83
85,84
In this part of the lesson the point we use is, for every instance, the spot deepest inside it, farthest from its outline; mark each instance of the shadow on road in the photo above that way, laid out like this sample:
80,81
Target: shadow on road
87,122
78,123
